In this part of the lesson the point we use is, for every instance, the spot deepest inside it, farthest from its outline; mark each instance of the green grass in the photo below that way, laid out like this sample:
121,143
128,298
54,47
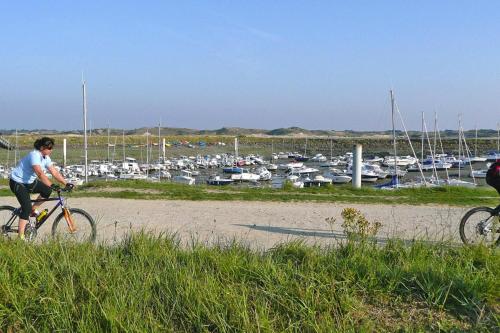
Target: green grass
153,284
456,196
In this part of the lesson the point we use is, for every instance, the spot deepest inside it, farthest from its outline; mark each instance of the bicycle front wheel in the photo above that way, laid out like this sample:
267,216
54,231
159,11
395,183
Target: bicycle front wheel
480,225
75,225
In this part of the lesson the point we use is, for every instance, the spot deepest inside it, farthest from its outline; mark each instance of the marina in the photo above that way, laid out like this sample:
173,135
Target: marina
273,170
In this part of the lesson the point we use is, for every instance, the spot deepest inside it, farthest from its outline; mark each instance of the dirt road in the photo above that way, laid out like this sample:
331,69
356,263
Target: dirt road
260,224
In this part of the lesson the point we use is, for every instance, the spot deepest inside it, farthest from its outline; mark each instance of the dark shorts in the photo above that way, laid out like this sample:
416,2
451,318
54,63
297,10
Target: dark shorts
23,191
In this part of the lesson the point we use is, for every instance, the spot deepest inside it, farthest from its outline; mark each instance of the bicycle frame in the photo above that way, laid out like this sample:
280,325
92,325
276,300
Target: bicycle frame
60,203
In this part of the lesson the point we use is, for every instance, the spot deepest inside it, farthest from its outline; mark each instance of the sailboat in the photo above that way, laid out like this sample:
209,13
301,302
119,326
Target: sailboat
463,149
303,158
395,160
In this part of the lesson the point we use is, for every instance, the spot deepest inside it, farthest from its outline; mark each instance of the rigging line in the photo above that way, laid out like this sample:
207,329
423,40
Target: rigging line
468,157
440,143
434,171
411,145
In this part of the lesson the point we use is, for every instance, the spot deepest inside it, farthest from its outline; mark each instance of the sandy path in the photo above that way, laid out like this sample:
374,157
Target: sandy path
260,224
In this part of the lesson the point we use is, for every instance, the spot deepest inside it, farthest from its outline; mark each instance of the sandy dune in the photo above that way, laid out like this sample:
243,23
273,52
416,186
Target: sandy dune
260,224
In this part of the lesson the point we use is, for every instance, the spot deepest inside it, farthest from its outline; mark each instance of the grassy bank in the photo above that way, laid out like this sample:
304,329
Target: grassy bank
152,284
456,196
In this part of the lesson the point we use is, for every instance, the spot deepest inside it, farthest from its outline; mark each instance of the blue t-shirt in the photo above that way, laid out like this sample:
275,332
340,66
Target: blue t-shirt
24,173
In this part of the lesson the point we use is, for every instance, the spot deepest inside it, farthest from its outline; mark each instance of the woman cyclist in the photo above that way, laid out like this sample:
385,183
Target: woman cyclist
29,177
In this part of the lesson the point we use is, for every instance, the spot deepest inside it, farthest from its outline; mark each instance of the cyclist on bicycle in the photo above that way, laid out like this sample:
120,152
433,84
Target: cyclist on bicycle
29,177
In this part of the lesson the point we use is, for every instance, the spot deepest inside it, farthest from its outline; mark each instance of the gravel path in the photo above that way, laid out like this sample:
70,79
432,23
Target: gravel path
260,224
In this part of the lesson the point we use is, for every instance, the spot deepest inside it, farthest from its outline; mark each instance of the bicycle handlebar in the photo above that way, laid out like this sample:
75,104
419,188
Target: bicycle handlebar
60,189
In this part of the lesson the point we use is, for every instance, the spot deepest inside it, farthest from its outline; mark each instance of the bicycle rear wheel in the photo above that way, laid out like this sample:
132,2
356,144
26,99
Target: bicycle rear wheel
6,217
84,226
480,225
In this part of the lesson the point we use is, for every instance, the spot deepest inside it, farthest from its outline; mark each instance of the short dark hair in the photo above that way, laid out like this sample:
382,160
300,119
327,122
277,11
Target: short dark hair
44,142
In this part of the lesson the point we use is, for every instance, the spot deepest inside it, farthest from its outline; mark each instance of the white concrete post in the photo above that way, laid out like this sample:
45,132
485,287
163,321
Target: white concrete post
64,153
236,148
163,149
356,166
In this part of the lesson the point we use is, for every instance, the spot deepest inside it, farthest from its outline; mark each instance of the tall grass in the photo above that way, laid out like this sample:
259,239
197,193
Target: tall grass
149,283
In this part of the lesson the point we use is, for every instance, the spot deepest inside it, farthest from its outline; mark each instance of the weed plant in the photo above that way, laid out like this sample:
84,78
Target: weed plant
151,283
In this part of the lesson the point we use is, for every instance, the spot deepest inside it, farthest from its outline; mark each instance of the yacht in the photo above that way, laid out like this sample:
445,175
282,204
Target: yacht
263,173
135,175
493,156
400,160
318,180
184,178
318,158
245,176
217,180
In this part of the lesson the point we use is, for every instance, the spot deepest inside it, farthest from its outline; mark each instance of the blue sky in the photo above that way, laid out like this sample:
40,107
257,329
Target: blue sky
253,64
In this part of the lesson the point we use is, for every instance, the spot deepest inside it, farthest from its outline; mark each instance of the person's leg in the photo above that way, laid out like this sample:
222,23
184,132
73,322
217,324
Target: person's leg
23,196
43,190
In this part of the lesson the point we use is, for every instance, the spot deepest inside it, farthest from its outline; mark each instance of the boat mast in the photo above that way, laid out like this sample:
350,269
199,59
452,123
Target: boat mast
498,138
114,151
85,142
440,141
459,143
159,139
16,151
422,158
331,149
123,144
8,156
108,143
147,152
436,133
475,145
394,136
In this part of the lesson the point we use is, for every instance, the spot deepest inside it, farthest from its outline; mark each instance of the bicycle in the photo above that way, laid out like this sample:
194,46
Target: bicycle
79,226
481,225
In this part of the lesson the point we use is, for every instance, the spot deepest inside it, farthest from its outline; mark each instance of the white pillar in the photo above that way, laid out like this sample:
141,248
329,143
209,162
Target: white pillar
163,149
64,153
236,148
356,166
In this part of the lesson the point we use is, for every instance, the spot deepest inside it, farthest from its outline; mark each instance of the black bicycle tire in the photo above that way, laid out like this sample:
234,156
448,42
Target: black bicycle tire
10,208
466,217
7,207
78,211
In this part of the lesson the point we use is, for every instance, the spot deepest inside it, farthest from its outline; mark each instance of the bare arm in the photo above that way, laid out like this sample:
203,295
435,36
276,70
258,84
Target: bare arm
53,171
41,175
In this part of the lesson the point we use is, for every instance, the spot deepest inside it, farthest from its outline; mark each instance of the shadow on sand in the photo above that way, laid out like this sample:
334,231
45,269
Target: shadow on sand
315,233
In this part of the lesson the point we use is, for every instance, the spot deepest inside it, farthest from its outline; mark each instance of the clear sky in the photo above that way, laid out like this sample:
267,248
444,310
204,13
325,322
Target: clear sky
253,64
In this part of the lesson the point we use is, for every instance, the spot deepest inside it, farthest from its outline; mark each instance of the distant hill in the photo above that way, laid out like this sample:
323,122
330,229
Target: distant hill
238,131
